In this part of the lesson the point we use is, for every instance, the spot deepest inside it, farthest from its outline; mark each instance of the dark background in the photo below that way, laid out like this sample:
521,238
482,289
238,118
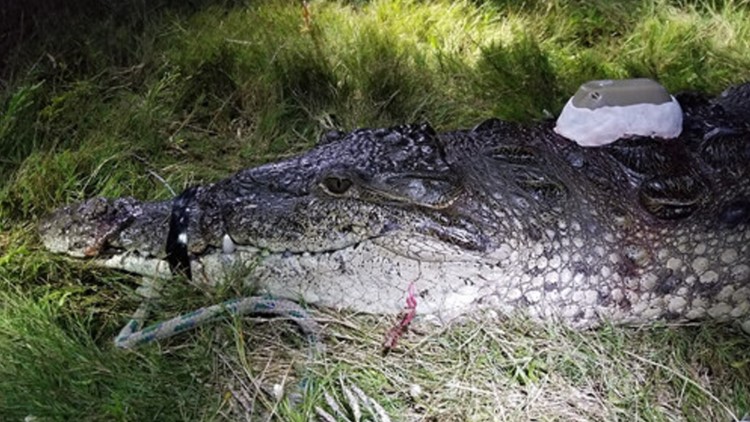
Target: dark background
54,23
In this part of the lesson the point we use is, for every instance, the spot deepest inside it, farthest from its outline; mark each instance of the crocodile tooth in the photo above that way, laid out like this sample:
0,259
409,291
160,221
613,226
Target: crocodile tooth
227,245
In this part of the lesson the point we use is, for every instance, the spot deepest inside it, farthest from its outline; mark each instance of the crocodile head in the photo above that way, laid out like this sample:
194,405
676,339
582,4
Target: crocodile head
369,204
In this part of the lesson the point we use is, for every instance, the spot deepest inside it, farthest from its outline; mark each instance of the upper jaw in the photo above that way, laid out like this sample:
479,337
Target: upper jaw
101,226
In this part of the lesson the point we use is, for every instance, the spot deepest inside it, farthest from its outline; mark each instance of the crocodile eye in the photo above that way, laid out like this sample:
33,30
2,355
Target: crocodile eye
337,185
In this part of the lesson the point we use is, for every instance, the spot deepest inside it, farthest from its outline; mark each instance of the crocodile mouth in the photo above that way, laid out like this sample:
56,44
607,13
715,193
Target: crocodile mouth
145,263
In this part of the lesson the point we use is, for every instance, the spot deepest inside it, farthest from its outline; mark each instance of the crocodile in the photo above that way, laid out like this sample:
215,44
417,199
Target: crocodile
504,217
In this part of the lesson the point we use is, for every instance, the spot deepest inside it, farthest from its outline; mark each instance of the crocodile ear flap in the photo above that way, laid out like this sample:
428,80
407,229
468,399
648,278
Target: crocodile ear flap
429,191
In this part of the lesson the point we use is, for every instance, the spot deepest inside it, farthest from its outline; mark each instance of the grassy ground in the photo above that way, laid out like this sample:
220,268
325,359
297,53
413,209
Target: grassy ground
96,104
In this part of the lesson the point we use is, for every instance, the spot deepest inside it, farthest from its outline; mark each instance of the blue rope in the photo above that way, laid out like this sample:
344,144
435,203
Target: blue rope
132,334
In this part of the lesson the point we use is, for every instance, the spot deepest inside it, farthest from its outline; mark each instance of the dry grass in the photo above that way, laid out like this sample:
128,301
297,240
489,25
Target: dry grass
485,369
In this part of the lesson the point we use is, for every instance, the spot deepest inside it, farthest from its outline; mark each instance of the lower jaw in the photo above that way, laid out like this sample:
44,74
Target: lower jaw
369,278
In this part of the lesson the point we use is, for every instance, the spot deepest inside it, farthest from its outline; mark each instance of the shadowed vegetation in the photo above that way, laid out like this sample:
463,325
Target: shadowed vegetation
101,97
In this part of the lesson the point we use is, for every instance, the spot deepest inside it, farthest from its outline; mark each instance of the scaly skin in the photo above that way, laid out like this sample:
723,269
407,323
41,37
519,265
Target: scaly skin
507,217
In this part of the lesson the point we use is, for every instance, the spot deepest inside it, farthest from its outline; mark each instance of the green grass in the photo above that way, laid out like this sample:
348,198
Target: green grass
97,105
